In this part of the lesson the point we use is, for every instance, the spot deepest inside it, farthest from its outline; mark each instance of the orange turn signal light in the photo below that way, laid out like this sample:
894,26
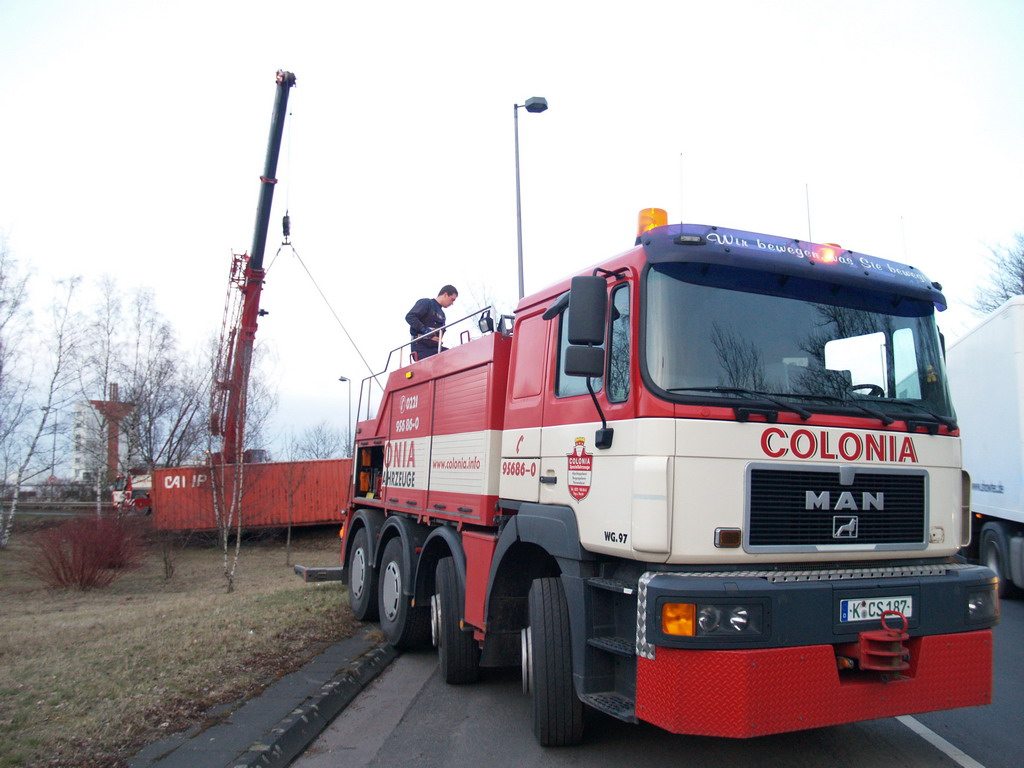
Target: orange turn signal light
678,619
728,537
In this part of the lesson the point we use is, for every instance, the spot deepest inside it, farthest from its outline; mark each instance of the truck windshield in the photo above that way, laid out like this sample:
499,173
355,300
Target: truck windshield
832,348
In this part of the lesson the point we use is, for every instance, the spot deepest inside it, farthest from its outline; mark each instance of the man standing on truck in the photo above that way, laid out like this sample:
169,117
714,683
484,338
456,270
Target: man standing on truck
427,315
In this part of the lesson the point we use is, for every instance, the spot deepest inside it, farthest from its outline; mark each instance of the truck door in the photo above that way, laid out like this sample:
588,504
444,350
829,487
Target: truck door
407,452
531,368
600,483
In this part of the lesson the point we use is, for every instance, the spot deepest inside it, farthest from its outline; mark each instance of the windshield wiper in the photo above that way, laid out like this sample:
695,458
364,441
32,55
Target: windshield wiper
884,418
803,413
949,423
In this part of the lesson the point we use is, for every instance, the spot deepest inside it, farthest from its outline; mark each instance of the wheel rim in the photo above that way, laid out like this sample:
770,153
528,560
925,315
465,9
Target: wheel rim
391,590
992,560
526,644
435,620
358,581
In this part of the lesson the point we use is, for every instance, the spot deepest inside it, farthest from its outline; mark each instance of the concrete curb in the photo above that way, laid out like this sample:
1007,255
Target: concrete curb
269,730
295,732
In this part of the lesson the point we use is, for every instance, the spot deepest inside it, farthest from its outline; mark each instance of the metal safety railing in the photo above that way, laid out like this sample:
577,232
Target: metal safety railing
371,389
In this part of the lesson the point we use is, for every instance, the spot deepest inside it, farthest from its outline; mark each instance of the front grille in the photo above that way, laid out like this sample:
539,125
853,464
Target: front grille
780,520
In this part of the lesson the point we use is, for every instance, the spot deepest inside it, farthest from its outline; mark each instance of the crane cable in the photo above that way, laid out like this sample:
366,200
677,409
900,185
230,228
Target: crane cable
287,244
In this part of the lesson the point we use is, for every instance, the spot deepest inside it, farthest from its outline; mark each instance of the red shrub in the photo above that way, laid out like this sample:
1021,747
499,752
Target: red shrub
86,552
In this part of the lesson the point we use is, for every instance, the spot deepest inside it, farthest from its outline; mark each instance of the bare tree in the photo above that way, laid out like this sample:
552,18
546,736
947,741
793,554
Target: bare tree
98,367
167,424
229,476
318,442
293,477
321,441
62,350
741,361
1005,279
160,400
14,384
260,402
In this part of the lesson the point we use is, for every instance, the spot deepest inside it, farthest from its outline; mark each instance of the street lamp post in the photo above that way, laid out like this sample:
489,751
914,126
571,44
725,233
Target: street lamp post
533,104
349,422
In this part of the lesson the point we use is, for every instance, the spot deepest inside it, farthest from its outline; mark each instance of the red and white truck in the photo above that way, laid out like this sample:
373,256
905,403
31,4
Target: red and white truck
712,483
132,493
986,371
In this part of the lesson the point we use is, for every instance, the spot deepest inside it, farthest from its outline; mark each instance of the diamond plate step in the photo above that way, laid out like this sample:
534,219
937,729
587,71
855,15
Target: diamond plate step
613,585
617,645
613,704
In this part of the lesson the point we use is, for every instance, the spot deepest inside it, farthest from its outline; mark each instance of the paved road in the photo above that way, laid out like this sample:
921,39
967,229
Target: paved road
409,716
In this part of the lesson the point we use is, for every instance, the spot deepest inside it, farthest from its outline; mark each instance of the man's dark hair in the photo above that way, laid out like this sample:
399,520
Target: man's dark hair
449,289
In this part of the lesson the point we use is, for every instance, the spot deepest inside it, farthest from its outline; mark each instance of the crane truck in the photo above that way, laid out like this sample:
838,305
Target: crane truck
712,483
986,376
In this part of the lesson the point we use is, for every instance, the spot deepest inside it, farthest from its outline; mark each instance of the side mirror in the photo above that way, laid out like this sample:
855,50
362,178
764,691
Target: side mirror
588,304
588,315
505,325
584,361
486,323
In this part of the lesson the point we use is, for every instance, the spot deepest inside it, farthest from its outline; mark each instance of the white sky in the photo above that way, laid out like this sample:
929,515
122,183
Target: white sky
133,134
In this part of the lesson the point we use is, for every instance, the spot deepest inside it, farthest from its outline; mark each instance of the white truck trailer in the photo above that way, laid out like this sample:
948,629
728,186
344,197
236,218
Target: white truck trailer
986,374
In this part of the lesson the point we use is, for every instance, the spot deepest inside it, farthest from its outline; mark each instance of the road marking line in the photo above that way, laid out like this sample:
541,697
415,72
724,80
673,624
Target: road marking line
939,743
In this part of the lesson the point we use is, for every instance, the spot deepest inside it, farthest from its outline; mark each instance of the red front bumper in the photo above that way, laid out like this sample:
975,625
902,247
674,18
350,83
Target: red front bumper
740,694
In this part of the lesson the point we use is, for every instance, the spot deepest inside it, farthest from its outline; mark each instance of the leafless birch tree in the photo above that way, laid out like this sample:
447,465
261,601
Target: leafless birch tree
14,385
61,351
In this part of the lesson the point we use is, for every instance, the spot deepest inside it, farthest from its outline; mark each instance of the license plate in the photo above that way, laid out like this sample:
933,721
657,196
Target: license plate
871,608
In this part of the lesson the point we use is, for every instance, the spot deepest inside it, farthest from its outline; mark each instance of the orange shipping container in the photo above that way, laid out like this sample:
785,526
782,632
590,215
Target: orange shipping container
312,492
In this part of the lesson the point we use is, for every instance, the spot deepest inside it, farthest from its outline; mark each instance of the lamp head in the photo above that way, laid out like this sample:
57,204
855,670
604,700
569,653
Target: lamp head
536,104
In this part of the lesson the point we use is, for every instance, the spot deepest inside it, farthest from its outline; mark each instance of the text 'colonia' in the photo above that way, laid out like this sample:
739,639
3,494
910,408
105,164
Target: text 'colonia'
849,446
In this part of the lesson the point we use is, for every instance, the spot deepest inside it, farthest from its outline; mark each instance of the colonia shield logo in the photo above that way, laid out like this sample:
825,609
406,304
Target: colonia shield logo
581,466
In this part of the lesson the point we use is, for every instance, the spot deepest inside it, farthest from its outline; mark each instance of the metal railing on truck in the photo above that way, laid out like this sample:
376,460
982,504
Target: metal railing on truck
371,389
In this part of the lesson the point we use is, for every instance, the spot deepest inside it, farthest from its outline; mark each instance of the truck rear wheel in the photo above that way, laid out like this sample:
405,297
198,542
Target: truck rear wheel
995,554
403,625
458,652
557,711
362,579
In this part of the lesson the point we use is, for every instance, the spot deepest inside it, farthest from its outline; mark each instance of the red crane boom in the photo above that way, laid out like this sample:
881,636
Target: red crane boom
247,273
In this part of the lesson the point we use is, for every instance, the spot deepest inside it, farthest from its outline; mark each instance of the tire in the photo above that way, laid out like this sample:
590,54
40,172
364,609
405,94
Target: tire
404,627
457,652
557,711
362,578
994,554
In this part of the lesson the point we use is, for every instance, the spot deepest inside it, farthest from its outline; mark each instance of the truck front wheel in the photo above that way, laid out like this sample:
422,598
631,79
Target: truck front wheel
557,711
362,581
458,652
995,554
403,625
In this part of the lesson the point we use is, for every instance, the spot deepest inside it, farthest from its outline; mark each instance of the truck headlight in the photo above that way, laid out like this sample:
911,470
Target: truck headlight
711,619
739,619
982,605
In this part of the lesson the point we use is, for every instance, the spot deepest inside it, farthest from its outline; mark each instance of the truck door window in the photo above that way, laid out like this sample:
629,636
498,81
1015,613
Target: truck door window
570,386
862,359
869,360
619,351
908,379
527,375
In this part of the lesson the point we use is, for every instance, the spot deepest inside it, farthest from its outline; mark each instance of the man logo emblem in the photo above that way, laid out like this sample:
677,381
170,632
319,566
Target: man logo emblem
844,527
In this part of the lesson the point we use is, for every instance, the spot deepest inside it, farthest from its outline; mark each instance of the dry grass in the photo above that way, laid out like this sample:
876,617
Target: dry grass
86,678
